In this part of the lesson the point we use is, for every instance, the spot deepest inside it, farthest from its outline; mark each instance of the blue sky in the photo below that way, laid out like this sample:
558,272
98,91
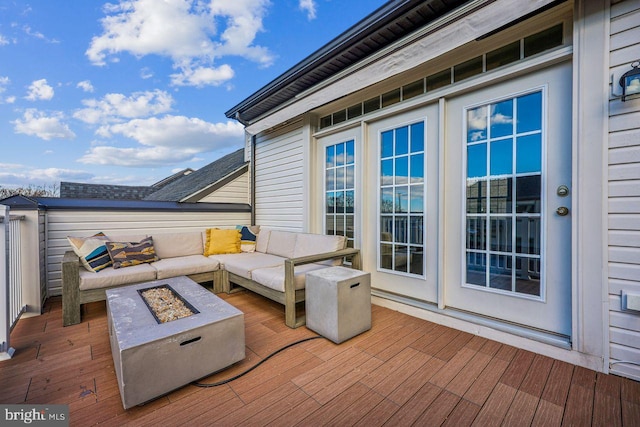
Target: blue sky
130,92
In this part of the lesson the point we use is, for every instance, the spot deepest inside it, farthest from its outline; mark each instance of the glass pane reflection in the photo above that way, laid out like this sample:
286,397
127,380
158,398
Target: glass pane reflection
502,119
500,272
386,144
501,199
529,153
501,234
401,258
402,141
401,229
402,170
477,124
529,112
476,233
477,161
528,235
501,157
386,200
528,276
416,256
476,196
401,200
416,232
476,264
528,199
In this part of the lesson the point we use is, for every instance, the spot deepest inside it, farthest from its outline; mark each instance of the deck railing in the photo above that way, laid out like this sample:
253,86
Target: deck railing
11,301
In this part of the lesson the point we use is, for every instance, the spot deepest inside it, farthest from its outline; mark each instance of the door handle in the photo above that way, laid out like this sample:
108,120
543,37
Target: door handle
562,211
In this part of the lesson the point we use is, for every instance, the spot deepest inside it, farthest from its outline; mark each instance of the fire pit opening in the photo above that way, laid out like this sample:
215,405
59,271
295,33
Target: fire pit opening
166,304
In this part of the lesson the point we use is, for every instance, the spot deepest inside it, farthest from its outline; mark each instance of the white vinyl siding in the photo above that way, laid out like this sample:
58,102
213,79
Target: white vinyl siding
279,169
63,223
236,191
624,194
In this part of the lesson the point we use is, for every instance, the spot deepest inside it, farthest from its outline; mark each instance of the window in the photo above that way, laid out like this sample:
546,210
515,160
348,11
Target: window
504,188
340,190
402,199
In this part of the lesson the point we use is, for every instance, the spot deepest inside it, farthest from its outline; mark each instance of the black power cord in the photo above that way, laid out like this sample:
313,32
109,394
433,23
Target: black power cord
228,380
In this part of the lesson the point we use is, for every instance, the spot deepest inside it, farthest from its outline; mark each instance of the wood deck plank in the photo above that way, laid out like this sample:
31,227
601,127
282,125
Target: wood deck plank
557,387
430,374
462,415
409,412
379,415
496,406
415,382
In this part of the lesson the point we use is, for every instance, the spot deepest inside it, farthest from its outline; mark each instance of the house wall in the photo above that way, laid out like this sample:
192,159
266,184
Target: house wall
624,193
236,191
63,223
279,169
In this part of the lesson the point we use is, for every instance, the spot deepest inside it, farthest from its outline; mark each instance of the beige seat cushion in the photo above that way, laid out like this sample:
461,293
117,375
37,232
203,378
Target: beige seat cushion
273,277
171,245
109,277
282,243
243,264
184,265
312,244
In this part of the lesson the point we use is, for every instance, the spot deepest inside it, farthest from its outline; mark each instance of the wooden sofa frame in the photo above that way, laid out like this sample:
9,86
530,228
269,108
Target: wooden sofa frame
291,297
73,297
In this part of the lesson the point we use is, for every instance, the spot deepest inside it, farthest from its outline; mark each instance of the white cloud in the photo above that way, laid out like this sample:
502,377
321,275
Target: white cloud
146,73
37,34
37,123
187,31
115,107
4,82
85,85
310,7
164,141
3,40
14,175
40,90
202,76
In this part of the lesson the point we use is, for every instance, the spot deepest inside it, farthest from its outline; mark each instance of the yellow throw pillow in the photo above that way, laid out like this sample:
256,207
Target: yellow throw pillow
222,242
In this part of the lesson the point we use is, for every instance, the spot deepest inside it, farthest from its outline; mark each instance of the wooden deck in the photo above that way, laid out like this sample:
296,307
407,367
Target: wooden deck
405,371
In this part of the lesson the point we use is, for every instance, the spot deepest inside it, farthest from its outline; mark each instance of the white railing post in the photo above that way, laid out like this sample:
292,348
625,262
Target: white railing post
6,352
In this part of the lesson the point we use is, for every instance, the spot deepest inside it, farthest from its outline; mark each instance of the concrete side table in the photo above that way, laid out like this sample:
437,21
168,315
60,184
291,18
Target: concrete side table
338,302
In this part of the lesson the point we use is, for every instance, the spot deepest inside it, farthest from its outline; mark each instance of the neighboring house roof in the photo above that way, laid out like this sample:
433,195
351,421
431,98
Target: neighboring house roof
203,181
81,190
172,178
381,28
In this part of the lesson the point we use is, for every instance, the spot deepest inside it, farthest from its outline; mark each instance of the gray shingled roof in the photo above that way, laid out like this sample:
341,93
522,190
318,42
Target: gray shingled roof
81,190
200,179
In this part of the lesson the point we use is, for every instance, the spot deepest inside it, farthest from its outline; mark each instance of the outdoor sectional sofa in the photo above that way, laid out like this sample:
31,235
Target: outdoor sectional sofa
276,269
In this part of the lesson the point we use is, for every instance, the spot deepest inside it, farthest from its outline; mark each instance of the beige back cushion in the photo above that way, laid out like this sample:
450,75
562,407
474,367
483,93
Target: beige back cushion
281,243
262,241
171,245
312,244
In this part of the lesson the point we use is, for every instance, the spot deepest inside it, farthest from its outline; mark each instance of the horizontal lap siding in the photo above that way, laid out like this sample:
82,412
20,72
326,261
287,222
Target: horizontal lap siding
237,191
624,195
61,224
279,169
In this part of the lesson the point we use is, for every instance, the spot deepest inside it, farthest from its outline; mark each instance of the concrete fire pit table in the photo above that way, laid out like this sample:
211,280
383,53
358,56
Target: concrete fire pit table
153,358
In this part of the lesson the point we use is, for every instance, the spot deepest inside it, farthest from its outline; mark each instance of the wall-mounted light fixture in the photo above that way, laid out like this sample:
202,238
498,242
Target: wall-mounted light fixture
630,81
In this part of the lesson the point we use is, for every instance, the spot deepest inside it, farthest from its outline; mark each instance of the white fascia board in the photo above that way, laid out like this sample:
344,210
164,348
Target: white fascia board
445,34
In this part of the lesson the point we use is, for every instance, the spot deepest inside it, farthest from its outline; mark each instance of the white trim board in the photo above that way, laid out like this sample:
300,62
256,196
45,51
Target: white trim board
441,37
